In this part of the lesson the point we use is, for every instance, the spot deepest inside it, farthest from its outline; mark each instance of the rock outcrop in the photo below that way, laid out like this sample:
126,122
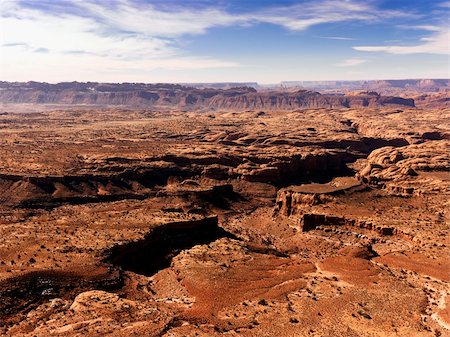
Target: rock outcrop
417,168
292,199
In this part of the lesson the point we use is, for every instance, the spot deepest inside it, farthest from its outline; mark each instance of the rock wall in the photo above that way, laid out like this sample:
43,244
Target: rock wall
309,221
179,97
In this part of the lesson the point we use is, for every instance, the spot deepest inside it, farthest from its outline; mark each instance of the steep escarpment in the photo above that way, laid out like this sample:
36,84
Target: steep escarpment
142,181
157,249
180,97
302,99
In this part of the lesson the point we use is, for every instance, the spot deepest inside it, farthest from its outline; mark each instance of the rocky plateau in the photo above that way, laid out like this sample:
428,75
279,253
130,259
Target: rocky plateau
175,96
165,210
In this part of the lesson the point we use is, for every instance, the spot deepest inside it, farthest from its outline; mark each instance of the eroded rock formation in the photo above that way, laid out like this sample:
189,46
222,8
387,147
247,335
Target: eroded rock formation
180,97
316,222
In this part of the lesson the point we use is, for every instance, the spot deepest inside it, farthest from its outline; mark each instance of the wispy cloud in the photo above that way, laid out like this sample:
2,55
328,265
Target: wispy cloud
70,37
351,62
338,38
304,15
124,16
41,50
430,28
14,44
436,43
67,45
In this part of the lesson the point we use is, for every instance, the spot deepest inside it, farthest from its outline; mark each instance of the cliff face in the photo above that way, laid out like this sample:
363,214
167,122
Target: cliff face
176,96
425,85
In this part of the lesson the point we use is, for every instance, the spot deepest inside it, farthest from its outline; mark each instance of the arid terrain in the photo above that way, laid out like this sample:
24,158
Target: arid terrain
163,210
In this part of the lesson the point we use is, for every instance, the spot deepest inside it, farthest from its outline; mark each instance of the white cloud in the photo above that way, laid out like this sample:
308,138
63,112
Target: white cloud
338,38
303,15
430,28
436,43
41,45
149,21
351,62
94,40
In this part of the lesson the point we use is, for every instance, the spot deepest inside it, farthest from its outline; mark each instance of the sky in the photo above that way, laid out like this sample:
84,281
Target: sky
223,40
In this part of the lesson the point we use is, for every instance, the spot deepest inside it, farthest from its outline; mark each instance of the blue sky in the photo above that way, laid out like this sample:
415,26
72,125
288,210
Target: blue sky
223,40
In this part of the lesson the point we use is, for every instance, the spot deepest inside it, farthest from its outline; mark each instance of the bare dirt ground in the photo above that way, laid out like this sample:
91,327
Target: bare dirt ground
321,222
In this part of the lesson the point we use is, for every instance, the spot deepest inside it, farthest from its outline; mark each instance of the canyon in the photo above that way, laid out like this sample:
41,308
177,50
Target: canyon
169,210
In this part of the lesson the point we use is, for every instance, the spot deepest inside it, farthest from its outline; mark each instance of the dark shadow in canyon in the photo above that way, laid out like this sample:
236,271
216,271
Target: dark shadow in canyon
23,293
156,250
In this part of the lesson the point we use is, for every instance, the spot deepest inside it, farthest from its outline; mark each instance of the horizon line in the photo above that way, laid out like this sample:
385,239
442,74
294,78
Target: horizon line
238,82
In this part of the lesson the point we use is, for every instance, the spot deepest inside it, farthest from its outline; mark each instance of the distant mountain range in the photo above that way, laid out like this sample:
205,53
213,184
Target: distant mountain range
415,84
429,85
188,97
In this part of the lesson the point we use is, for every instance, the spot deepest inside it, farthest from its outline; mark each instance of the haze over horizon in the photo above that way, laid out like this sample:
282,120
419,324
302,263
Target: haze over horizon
222,41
